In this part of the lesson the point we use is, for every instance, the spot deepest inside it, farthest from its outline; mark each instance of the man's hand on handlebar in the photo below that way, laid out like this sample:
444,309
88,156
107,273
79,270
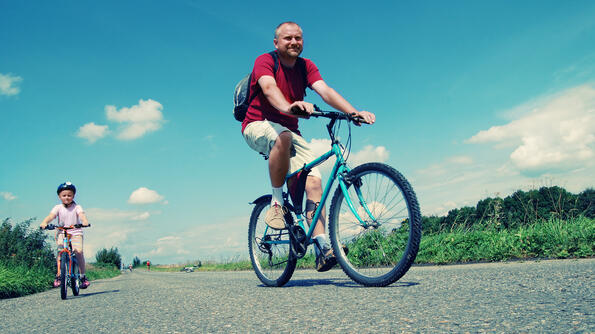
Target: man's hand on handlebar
301,109
364,117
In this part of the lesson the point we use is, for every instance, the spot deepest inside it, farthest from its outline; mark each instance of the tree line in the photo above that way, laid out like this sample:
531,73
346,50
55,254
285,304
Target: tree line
519,209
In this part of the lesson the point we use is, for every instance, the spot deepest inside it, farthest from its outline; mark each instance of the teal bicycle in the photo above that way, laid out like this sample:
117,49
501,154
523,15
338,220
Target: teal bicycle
374,221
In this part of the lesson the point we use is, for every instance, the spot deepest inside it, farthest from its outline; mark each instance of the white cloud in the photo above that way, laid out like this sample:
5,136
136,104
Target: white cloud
143,216
556,134
92,132
9,84
169,245
137,120
320,146
113,228
144,195
7,196
461,159
550,143
217,240
369,153
111,215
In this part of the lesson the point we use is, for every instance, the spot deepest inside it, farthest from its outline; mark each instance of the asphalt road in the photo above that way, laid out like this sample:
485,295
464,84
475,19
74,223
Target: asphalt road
518,297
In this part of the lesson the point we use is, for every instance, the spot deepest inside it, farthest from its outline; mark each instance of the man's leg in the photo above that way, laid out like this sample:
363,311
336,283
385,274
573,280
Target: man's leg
325,259
279,159
278,167
314,194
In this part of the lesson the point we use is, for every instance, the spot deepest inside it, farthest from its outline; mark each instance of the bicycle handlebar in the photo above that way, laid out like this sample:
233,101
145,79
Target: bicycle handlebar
52,226
336,115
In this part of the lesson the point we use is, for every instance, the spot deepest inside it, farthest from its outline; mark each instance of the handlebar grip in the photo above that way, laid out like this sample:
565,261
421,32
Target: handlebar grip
358,119
297,111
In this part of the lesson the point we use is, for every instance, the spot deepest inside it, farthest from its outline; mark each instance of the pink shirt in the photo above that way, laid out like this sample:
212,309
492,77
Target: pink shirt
68,216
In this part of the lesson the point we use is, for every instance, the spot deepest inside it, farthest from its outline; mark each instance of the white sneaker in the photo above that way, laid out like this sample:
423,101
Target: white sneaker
275,217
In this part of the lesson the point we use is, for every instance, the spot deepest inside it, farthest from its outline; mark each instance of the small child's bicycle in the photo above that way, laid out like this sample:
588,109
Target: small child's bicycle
374,220
69,269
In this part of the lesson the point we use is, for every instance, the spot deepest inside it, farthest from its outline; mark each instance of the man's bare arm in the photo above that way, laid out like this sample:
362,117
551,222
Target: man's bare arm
337,101
275,97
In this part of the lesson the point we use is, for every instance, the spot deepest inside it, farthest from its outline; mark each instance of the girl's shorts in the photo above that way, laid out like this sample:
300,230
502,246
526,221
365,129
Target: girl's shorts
75,240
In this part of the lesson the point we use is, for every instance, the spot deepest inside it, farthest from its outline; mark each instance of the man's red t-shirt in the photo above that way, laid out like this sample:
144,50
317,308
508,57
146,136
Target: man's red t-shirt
291,83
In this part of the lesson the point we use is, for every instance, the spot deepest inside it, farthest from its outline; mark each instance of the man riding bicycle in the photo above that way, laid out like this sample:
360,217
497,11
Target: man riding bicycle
271,126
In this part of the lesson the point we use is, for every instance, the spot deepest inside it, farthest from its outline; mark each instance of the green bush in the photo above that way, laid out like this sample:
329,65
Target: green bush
110,256
27,261
22,246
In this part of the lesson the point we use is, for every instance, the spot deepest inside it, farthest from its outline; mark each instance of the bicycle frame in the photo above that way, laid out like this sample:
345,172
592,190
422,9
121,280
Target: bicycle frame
339,172
66,247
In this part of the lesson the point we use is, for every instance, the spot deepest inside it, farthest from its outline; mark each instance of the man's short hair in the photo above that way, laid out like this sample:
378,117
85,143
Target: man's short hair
286,22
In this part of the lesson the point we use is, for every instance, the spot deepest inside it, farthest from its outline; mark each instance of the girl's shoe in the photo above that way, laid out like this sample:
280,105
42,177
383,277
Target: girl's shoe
85,283
57,282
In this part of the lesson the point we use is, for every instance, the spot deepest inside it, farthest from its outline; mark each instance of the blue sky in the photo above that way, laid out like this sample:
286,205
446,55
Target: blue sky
131,101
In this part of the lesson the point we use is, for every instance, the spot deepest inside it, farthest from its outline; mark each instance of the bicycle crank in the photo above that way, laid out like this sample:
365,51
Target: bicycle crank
298,241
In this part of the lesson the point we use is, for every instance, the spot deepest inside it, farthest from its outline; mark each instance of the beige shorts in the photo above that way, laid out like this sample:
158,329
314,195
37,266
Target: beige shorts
261,137
76,241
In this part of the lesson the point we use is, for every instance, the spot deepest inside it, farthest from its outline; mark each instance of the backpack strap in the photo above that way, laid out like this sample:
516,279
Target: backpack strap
300,62
276,61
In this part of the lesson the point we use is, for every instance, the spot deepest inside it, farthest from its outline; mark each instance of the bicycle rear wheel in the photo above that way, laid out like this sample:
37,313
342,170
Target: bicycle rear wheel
64,263
75,278
383,247
270,250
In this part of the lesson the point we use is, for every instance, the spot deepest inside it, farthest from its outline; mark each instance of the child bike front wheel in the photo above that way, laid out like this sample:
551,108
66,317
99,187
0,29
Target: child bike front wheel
64,275
378,222
75,278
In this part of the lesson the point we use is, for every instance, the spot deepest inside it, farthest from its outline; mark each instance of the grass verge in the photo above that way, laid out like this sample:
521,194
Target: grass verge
554,239
101,271
551,239
18,281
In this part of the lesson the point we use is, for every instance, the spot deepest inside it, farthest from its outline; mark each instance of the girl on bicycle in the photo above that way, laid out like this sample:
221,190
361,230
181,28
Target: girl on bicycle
69,213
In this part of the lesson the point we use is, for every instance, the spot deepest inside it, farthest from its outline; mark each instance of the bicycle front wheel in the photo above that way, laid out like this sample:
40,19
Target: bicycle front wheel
270,250
64,263
379,223
75,278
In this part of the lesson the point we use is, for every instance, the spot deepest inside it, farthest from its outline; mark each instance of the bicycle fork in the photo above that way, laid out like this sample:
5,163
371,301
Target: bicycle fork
344,181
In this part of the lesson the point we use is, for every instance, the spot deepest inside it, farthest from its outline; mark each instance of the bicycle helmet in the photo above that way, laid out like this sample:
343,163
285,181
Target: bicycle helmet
66,186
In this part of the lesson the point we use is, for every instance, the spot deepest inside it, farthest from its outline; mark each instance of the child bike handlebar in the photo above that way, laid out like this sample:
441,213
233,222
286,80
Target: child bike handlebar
52,226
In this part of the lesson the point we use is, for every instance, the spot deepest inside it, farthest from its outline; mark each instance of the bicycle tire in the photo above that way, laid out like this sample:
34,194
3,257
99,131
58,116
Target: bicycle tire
75,278
63,275
380,254
273,263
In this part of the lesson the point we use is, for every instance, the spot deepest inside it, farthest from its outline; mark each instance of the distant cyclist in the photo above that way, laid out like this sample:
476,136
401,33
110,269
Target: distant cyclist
69,213
271,127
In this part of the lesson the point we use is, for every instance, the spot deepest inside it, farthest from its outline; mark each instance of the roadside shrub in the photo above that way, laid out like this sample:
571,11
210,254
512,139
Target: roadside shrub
22,246
110,256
